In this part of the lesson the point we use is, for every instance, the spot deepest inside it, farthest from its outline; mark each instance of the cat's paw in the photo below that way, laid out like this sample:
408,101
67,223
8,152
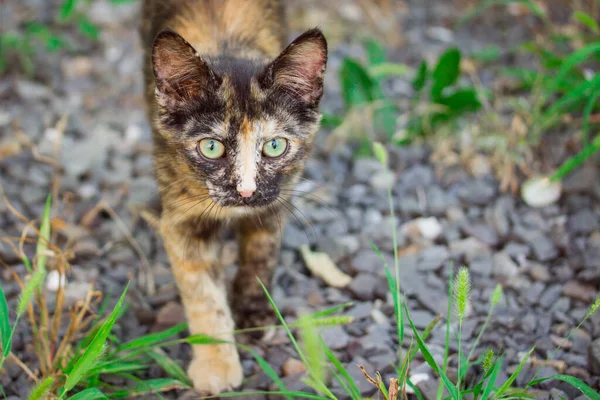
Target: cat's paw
216,375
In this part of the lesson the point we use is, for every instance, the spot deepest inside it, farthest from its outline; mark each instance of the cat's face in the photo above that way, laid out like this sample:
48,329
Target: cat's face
243,128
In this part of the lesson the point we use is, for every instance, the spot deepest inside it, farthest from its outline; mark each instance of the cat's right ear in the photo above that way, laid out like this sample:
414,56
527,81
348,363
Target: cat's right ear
180,73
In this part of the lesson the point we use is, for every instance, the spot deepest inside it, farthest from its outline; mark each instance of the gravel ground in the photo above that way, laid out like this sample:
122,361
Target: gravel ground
548,260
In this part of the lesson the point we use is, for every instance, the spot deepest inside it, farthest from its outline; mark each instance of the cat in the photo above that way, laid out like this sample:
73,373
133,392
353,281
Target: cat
233,114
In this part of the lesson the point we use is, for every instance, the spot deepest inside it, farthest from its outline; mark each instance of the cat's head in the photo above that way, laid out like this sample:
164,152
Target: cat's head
243,128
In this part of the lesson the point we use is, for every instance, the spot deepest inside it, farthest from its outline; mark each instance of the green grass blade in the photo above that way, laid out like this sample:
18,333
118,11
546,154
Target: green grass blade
587,112
431,361
109,367
293,394
332,310
153,338
576,383
89,394
415,389
39,393
94,351
574,59
312,349
44,239
150,386
170,366
568,166
514,375
393,286
285,325
291,336
31,286
354,392
5,331
342,383
267,369
27,264
204,339
492,381
587,20
447,338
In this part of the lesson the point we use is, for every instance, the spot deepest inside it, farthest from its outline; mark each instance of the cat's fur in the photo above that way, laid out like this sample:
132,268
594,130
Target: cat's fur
218,69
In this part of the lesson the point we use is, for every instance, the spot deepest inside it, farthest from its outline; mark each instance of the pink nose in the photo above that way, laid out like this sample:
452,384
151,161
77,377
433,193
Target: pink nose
246,193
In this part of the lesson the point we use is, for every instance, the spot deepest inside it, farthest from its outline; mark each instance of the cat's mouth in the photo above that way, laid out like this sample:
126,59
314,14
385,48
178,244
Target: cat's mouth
235,200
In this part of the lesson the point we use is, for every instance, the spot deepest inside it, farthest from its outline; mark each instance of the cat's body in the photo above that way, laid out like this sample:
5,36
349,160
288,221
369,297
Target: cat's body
233,121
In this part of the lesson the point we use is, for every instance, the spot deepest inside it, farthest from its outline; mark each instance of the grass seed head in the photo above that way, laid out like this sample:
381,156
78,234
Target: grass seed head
595,306
497,295
381,153
462,292
488,361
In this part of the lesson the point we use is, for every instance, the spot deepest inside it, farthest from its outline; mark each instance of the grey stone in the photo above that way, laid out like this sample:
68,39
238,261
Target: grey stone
415,177
470,248
339,247
543,247
32,91
335,337
504,267
500,215
434,301
481,265
293,237
583,222
581,179
142,189
563,304
485,233
368,261
365,168
432,258
421,318
550,296
477,192
529,323
363,286
438,200
538,272
581,341
360,310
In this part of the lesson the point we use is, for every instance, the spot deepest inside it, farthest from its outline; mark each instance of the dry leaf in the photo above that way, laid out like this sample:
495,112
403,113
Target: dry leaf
321,265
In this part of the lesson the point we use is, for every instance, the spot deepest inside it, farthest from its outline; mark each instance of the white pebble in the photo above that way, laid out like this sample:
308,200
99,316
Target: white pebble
430,228
55,280
540,192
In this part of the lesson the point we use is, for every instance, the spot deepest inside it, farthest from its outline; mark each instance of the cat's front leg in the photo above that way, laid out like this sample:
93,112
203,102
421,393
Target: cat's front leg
216,367
259,243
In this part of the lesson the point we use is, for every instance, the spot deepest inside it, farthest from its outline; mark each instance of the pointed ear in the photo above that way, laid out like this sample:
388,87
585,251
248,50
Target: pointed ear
299,69
180,73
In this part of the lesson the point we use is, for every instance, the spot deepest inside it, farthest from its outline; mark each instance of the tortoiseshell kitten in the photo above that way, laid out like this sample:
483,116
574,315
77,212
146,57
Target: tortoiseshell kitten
233,115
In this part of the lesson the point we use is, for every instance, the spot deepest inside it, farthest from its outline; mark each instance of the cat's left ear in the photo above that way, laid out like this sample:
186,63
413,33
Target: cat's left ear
299,69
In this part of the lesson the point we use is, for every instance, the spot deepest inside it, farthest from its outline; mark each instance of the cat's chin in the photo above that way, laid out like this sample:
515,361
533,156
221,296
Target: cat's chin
241,211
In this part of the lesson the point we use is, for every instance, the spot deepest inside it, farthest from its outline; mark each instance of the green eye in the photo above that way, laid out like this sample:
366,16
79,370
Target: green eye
211,148
275,147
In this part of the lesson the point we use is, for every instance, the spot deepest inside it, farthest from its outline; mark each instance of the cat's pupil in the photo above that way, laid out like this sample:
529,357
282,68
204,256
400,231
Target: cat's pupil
274,144
211,145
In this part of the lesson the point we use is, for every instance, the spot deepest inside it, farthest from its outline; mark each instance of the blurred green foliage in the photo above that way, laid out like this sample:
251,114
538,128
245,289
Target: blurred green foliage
21,45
